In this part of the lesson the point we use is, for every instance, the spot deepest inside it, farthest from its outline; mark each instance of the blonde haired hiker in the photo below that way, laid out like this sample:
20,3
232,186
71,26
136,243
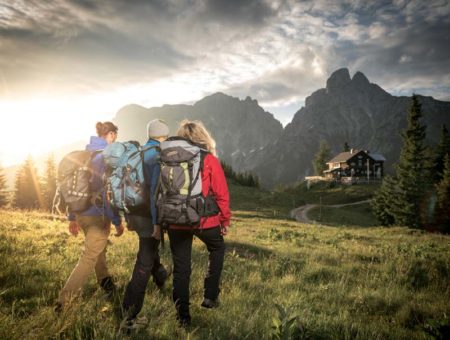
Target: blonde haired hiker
193,201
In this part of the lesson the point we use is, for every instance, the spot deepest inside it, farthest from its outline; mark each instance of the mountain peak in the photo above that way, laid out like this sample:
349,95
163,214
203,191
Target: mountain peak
360,79
338,79
216,97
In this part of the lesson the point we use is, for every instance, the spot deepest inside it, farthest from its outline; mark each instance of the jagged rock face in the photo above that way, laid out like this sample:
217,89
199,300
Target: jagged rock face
239,126
348,110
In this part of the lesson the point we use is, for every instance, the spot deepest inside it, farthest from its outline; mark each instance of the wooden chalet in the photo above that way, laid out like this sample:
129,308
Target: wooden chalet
356,164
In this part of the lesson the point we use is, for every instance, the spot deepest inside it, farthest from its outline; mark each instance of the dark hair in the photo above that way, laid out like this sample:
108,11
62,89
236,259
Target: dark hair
104,128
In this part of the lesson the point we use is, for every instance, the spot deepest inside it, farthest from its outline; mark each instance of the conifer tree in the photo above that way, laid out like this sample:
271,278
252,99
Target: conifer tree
321,158
245,178
442,213
346,147
384,202
27,189
411,169
3,189
442,149
49,183
257,185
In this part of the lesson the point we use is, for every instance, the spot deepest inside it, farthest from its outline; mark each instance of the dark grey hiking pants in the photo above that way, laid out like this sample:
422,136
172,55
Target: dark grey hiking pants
147,264
181,247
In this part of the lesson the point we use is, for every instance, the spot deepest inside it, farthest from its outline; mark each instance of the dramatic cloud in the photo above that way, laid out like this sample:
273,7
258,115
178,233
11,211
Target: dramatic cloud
276,51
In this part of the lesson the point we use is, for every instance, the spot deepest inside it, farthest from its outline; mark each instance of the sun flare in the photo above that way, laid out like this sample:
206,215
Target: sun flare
36,127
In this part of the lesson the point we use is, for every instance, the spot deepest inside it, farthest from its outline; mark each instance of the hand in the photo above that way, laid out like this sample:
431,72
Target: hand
119,230
224,229
156,232
74,228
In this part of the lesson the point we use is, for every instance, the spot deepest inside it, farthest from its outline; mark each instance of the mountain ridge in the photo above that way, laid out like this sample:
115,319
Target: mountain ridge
348,109
230,119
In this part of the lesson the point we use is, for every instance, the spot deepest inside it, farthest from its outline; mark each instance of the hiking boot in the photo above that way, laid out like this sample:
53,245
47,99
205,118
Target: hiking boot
161,275
184,321
108,286
128,325
208,303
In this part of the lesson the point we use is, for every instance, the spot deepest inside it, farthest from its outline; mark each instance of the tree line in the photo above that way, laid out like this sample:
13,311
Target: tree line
245,178
31,191
418,193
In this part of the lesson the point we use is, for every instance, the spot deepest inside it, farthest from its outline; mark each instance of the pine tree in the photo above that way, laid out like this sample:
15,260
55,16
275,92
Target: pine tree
384,203
442,149
3,189
442,213
27,189
245,178
251,180
228,170
49,183
321,158
411,169
257,185
346,147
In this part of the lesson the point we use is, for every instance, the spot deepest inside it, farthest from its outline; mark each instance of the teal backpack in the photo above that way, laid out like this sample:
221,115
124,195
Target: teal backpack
127,188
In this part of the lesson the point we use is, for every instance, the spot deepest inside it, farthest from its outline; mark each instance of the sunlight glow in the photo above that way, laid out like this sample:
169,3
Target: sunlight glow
37,126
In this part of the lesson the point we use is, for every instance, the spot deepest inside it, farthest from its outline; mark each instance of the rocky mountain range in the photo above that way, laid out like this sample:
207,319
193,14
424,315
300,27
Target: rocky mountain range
348,109
238,126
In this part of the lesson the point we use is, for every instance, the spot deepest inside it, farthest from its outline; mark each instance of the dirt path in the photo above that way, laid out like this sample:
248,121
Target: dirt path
301,213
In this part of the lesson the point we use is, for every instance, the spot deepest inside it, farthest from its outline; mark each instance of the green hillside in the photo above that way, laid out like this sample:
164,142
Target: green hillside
364,283
329,193
355,215
280,202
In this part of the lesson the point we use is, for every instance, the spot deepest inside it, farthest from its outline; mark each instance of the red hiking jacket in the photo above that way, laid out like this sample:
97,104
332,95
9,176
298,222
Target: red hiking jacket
214,178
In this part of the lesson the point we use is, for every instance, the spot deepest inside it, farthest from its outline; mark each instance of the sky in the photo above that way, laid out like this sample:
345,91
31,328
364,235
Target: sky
66,64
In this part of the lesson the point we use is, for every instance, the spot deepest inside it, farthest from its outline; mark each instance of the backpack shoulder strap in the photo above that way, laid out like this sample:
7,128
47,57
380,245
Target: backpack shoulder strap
94,154
203,154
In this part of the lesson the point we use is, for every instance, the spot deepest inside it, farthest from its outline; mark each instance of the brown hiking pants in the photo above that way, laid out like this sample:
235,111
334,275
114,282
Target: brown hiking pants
96,230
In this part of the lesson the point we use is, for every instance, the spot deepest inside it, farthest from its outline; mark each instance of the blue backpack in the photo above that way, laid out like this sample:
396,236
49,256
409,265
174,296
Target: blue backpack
127,187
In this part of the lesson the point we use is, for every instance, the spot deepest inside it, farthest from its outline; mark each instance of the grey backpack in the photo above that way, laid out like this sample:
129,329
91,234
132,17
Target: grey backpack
74,181
180,199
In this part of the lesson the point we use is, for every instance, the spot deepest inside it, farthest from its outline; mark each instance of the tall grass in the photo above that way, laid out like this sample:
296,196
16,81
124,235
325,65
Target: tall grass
363,283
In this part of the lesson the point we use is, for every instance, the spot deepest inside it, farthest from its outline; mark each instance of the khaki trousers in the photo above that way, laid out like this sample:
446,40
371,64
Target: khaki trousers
96,230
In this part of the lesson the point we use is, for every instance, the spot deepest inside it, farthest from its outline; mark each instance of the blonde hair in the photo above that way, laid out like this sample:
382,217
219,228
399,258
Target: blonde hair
196,132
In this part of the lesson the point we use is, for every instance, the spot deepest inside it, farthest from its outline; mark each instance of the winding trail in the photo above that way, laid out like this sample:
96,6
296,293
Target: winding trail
301,213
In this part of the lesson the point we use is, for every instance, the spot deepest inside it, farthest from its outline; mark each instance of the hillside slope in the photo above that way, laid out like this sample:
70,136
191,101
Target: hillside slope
340,283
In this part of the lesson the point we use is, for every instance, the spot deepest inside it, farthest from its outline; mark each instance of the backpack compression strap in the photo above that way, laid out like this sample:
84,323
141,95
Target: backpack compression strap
203,154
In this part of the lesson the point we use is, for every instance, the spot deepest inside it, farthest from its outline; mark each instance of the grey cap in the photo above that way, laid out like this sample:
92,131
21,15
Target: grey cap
157,128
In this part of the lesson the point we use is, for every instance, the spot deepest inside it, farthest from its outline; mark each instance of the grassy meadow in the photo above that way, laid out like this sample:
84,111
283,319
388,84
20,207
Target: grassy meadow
359,215
281,279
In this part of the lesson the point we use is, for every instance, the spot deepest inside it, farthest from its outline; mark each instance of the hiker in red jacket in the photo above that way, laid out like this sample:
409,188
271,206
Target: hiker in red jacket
210,230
